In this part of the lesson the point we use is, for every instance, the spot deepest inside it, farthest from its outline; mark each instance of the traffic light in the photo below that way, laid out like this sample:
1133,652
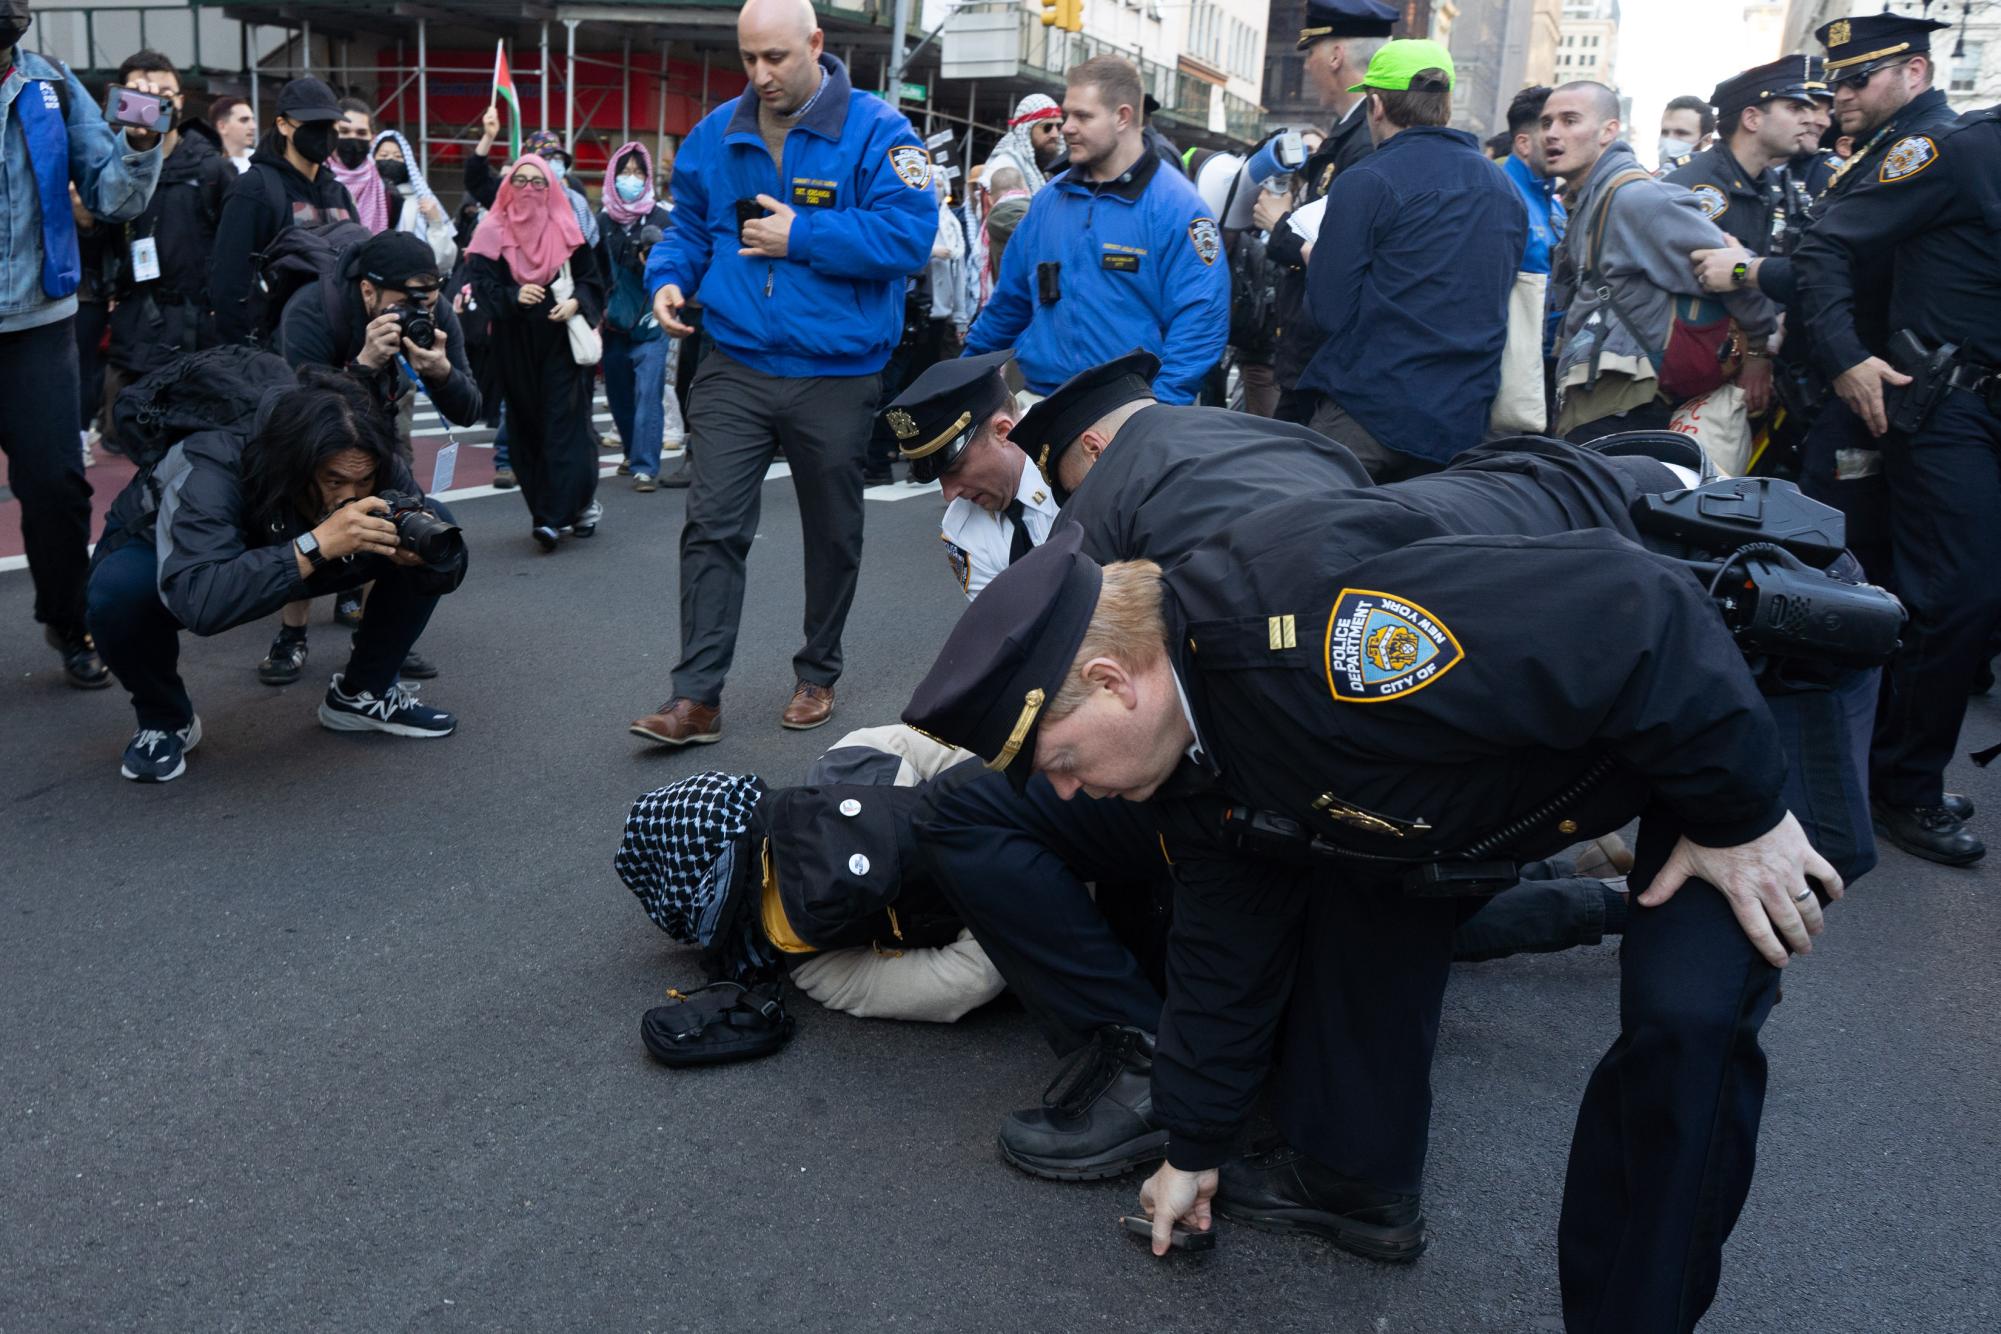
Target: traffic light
1065,14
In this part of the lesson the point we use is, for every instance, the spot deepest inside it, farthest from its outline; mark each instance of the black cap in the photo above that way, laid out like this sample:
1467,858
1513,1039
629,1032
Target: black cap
1869,41
306,100
1790,77
1009,654
1345,18
937,416
391,259
1816,78
1053,425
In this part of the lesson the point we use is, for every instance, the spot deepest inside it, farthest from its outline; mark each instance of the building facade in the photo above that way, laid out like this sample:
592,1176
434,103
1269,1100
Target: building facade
1588,42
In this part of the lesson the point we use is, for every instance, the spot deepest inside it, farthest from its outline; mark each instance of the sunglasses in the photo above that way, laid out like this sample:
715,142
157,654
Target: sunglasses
1860,79
528,182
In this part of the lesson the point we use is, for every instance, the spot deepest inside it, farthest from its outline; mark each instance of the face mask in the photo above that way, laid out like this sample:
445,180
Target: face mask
630,188
14,26
558,168
315,142
351,152
1670,149
392,171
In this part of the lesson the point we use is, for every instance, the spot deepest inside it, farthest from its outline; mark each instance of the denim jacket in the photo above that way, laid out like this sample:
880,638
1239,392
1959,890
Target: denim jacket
114,180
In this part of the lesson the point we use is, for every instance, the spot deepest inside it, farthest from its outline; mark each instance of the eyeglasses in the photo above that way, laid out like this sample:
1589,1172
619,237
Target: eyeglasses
528,182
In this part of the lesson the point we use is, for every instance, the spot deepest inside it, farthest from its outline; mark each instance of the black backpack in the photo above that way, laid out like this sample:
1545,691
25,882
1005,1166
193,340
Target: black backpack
295,257
217,389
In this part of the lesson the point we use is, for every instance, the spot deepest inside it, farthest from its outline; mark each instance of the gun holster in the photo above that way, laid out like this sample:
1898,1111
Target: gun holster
1931,378
1270,836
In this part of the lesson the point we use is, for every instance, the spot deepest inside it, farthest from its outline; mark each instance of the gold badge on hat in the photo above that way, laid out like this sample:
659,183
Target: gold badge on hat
902,423
1837,33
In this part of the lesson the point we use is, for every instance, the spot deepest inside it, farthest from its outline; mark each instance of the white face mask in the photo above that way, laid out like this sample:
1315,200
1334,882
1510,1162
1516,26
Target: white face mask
1671,149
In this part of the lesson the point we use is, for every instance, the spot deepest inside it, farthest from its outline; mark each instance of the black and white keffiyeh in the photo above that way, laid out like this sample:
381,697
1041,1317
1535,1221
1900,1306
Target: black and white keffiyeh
678,850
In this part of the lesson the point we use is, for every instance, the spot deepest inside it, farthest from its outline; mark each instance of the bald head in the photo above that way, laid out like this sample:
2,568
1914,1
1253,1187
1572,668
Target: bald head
780,43
1579,122
1604,103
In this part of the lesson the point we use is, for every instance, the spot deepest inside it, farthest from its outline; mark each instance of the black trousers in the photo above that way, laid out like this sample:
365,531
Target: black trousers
140,639
38,385
1944,488
738,418
1836,448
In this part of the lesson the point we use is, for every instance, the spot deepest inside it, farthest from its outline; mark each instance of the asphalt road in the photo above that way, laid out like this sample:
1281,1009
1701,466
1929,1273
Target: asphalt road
341,1032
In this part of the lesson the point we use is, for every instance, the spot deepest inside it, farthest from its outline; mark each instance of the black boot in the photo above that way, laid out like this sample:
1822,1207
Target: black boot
1931,832
82,667
1958,805
1102,1124
1283,1190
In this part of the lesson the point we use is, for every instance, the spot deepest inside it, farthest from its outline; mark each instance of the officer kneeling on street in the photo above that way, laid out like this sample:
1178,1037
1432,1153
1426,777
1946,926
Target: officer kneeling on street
1335,732
227,528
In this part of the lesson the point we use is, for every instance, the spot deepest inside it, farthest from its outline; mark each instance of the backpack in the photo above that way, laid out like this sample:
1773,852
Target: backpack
217,389
295,257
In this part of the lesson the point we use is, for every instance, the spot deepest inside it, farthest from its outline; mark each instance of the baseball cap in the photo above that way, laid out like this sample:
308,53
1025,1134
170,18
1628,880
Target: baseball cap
305,100
1393,68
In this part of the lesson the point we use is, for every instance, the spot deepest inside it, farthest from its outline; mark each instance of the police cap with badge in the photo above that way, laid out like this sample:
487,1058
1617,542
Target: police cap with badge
1345,18
1053,425
937,416
1790,78
1858,47
1009,655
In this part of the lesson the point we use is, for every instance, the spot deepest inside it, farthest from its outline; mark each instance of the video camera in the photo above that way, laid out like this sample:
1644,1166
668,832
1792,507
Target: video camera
1767,551
421,532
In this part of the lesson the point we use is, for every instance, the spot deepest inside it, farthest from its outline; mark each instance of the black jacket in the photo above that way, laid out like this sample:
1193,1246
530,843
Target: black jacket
499,293
1364,664
1750,208
159,320
325,324
1297,336
216,570
270,197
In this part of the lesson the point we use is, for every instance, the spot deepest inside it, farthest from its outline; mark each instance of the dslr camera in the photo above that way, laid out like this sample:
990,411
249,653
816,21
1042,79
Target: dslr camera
416,325
419,531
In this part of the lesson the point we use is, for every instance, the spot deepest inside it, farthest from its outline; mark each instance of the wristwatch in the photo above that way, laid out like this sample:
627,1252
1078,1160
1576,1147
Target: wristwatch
1739,272
309,546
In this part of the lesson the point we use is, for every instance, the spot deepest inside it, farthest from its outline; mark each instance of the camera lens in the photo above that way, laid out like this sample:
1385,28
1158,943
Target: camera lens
418,326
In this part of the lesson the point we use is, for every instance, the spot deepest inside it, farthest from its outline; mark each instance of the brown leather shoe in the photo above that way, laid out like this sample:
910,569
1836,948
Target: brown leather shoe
811,705
681,722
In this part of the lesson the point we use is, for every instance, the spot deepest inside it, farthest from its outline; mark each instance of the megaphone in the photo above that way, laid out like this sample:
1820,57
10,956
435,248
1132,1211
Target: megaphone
1283,153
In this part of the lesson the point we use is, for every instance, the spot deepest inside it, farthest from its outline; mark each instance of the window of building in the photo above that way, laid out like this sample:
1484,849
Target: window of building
1966,69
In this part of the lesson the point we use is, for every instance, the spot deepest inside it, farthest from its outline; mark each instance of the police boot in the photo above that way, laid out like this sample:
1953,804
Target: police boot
1931,832
1102,1124
1282,1190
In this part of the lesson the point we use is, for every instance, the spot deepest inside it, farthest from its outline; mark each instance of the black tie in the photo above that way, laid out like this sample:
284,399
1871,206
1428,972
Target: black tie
1021,544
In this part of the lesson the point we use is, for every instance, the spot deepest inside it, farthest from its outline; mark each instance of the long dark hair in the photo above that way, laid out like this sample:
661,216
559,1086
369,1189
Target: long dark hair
300,429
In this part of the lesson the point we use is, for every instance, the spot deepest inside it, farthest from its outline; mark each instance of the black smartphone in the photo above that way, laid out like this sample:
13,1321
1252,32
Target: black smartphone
746,209
1048,285
1184,1239
140,111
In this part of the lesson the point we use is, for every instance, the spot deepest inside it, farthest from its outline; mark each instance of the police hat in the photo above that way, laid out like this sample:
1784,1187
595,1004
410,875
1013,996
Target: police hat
1009,654
1790,77
1867,42
1816,78
1053,425
937,416
1345,18
305,100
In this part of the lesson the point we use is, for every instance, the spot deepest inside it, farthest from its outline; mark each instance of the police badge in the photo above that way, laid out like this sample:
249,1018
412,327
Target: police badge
912,164
902,423
1837,34
1208,241
1712,200
1906,158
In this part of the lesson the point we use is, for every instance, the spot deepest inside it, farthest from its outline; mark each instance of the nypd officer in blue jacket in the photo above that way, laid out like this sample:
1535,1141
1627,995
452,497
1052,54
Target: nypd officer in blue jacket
801,208
1115,254
52,134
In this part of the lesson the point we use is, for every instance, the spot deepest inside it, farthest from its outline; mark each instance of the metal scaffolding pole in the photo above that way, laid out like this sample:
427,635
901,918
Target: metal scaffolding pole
545,75
253,61
306,49
570,87
705,85
625,91
423,96
660,143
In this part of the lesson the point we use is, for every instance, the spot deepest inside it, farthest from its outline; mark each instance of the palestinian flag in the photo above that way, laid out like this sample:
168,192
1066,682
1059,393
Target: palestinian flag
503,91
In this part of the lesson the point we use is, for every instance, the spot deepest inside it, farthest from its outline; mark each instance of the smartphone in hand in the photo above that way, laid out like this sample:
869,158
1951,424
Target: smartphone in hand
139,111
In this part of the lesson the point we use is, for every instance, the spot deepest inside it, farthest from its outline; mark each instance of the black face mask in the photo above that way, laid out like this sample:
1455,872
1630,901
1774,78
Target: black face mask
315,142
392,171
352,152
14,21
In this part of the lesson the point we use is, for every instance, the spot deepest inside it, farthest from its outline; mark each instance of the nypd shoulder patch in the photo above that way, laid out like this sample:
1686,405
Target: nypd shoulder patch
912,165
1906,158
961,563
1713,201
1380,647
1208,241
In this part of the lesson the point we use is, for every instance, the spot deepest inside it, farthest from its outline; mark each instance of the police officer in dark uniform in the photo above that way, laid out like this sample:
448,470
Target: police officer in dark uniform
1764,117
1333,64
1812,170
1405,702
1932,219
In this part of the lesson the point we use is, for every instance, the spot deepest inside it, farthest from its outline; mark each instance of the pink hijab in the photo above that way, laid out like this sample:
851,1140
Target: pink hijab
371,197
531,231
622,213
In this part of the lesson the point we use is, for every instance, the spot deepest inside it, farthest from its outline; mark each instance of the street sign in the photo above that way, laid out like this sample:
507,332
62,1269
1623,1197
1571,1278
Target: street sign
940,139
915,92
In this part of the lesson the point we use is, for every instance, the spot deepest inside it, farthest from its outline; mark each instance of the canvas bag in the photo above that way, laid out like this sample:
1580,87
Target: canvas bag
1719,422
586,346
1519,407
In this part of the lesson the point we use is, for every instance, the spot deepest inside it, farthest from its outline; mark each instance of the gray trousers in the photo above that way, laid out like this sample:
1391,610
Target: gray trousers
737,419
1382,463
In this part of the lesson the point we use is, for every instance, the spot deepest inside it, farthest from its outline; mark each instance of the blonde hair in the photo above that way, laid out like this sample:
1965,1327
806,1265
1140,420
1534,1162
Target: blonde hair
1126,626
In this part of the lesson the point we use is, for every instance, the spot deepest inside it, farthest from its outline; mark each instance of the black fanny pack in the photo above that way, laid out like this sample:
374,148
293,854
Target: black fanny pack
719,1023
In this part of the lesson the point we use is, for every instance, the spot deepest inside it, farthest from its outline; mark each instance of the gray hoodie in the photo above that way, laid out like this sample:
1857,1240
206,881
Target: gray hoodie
1643,257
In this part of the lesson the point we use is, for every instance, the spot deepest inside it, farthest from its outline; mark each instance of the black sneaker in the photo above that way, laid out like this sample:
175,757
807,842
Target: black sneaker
548,537
1102,1124
154,756
286,660
397,713
82,667
1282,1190
1931,832
347,609
504,479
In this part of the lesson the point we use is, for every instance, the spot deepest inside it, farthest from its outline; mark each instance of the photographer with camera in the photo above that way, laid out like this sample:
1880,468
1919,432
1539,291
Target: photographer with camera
52,134
226,529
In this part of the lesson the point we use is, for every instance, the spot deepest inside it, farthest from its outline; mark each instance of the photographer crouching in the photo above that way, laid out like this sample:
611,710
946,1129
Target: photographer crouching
226,528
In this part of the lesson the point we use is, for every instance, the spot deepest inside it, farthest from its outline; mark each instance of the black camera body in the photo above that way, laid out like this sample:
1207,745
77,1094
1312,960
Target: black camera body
417,325
421,532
